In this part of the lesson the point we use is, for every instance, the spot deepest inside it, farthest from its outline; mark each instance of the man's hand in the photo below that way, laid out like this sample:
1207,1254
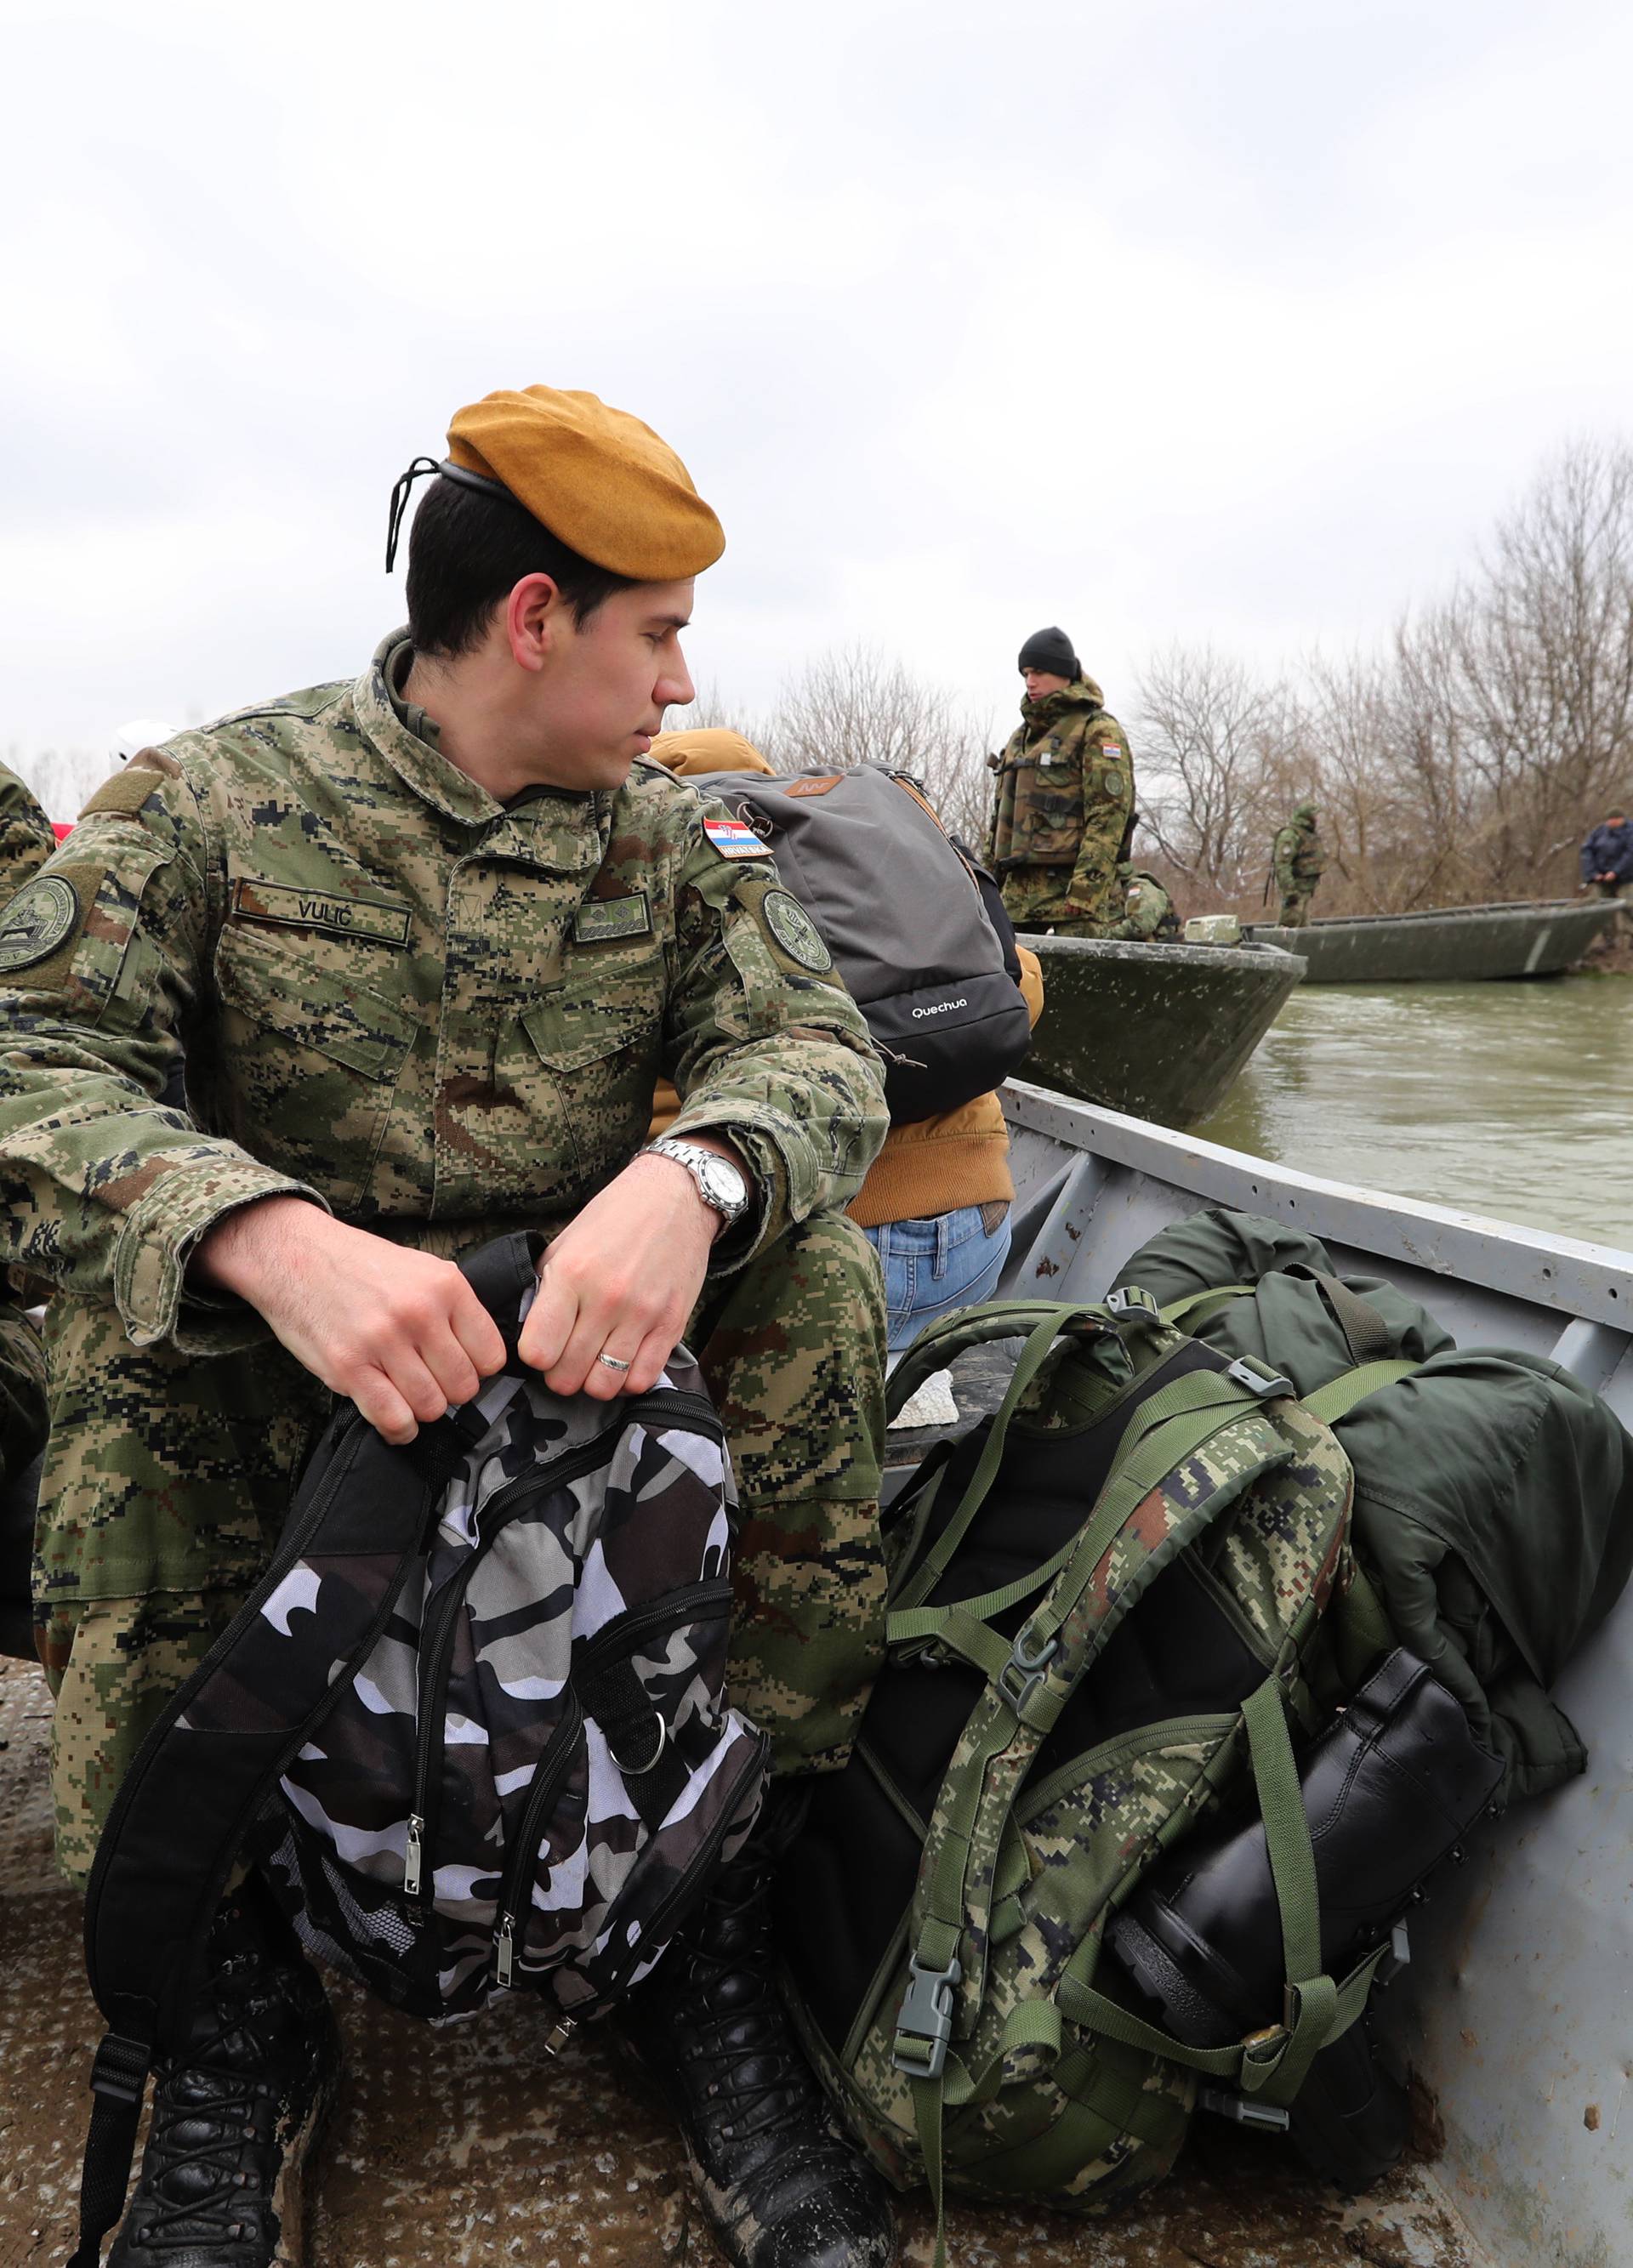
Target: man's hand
403,1335
621,1280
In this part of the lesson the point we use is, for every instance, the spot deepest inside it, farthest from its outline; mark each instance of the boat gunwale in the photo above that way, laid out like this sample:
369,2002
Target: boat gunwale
1600,910
1576,1279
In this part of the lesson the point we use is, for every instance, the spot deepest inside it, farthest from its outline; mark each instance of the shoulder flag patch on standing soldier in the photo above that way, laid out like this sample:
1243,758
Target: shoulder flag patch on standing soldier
733,840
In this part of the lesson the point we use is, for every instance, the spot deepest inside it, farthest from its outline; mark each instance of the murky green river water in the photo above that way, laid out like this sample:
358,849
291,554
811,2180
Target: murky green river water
1515,1100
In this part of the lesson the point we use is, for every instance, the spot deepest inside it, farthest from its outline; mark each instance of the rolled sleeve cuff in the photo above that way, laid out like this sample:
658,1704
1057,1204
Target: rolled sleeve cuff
791,1180
158,1237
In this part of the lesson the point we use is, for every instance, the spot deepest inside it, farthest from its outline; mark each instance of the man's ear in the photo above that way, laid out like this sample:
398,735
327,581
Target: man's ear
534,620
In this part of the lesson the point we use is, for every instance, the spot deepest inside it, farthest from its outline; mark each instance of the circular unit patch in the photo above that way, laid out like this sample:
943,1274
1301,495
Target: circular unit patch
39,918
796,932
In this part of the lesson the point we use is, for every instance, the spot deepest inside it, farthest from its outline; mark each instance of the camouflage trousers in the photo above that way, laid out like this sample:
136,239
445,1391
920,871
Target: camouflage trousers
1295,909
167,1478
1053,897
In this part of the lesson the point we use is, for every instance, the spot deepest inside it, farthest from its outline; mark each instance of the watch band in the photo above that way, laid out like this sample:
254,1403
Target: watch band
714,1176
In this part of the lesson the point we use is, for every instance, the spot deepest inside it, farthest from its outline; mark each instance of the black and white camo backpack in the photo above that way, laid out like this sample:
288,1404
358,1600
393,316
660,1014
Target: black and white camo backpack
471,1720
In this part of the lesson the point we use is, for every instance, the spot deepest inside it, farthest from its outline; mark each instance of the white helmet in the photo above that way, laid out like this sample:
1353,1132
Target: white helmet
140,732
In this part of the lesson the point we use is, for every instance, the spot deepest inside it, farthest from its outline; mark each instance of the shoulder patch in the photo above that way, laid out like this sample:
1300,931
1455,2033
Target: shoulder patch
39,916
733,840
128,790
796,931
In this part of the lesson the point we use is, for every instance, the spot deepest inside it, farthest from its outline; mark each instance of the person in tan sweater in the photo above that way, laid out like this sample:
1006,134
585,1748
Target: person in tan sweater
936,1203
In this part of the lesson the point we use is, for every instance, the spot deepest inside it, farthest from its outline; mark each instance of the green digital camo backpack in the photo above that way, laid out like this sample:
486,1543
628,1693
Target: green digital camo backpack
1105,1608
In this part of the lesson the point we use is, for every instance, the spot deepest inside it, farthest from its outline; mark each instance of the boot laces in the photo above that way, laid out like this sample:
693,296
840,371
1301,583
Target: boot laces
214,2084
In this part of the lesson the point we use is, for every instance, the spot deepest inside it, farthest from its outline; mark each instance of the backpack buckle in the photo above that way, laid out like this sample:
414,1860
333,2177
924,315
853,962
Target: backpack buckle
1242,2110
1023,1673
1133,1303
1263,1383
923,2028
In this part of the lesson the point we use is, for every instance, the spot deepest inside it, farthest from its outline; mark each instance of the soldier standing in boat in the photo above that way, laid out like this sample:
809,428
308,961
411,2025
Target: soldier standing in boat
1299,859
1607,856
1065,796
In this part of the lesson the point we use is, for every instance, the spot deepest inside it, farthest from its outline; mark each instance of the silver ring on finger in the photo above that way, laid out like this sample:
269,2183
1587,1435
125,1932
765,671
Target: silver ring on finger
612,1362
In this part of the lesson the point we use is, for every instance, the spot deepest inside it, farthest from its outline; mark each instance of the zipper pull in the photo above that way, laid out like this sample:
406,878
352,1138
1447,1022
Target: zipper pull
412,1863
505,1951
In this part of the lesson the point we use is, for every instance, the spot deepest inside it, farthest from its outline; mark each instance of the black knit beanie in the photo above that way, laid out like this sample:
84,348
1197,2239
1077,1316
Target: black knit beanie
1050,650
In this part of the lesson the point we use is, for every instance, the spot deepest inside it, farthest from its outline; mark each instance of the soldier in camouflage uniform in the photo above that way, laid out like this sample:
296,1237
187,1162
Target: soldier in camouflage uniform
426,939
1147,914
26,840
1299,860
1065,794
28,837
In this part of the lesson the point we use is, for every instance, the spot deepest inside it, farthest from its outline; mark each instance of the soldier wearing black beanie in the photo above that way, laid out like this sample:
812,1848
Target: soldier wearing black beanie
1064,795
1050,650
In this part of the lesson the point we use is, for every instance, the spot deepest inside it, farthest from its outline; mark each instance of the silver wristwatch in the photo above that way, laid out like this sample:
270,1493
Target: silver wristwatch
721,1184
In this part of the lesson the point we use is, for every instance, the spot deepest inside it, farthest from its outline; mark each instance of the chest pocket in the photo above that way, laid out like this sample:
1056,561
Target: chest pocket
1049,805
601,1059
313,1046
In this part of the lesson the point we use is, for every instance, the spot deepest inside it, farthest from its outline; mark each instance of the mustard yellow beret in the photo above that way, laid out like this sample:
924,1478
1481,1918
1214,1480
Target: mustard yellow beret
597,477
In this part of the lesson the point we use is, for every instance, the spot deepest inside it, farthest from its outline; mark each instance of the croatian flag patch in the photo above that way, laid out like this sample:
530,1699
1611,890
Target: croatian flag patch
733,840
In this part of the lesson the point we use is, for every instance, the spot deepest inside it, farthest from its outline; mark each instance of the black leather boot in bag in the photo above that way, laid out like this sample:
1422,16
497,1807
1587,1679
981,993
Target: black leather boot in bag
781,2187
1389,1787
236,2113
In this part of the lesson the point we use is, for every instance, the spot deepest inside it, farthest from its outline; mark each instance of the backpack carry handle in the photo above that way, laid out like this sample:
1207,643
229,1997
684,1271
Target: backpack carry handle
971,1327
504,1275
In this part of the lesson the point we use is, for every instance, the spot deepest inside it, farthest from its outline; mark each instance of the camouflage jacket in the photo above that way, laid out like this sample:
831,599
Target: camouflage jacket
26,836
439,1016
1065,792
1300,860
1148,909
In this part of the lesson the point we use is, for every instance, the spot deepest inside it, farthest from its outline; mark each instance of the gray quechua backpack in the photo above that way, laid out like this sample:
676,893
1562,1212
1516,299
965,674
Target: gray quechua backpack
915,928
471,1720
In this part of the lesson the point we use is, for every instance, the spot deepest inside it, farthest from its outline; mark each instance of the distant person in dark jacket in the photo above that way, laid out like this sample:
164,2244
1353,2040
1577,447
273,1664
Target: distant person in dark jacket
1607,856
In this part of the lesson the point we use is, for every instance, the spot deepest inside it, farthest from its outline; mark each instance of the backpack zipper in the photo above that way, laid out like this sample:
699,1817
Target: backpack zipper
665,1920
681,1413
554,1763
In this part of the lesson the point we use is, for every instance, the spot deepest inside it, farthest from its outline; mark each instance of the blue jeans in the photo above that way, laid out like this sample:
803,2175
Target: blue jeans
932,1267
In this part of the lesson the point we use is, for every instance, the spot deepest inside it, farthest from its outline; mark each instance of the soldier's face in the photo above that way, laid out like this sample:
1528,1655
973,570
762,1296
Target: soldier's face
1039,681
609,680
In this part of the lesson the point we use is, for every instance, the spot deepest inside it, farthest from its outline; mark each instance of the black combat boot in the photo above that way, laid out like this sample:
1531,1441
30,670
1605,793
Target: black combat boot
235,2115
780,2187
1389,1788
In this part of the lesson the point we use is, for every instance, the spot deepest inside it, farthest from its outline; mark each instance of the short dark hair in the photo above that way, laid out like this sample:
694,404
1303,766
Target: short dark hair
467,552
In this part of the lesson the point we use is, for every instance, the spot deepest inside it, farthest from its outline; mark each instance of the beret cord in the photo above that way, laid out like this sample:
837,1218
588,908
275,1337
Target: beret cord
400,492
483,483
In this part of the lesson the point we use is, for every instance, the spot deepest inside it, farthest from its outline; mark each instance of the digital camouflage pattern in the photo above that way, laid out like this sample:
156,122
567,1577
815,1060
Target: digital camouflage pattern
1148,909
28,838
1019,1874
1065,796
1299,859
440,1018
536,1758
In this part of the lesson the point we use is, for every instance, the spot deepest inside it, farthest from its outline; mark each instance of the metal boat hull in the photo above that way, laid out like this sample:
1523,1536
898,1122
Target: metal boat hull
1159,1031
1449,944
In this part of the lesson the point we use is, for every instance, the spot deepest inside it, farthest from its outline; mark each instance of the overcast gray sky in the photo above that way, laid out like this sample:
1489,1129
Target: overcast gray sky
1227,318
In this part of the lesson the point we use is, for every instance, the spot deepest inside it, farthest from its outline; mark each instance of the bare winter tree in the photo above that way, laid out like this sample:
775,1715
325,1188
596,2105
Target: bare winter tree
1220,757
853,705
